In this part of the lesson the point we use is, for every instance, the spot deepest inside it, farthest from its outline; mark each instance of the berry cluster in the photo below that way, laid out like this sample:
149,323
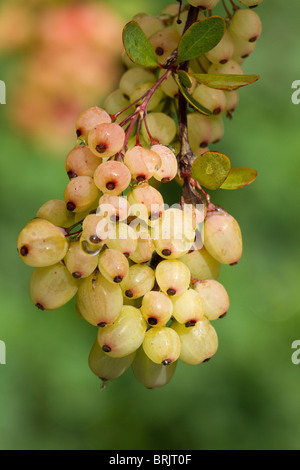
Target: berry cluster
144,274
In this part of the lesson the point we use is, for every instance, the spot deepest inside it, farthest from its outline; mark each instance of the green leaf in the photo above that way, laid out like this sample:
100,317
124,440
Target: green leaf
225,82
137,46
201,37
184,78
201,109
239,177
211,169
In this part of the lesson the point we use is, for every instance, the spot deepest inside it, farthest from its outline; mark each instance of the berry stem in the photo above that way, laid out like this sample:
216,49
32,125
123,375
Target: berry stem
138,131
143,107
210,206
152,140
129,130
185,155
226,9
74,233
146,97
179,21
235,7
68,229
114,116
140,112
170,18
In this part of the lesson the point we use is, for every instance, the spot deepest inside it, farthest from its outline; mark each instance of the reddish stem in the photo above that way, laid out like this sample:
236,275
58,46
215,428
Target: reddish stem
74,233
226,9
129,130
68,229
235,7
142,108
114,116
205,194
138,131
152,140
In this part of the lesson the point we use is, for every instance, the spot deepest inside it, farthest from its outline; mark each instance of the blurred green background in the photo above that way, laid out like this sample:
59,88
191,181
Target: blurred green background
247,397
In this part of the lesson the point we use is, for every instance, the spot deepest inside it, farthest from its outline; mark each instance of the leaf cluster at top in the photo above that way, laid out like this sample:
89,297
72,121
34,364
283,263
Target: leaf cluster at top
212,169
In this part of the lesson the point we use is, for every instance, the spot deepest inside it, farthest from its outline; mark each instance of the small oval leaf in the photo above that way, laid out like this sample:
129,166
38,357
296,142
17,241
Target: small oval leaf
238,178
184,78
201,37
201,109
225,82
137,46
211,169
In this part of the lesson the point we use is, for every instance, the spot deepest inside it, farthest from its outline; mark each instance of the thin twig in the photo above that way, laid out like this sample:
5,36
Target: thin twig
152,140
226,9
